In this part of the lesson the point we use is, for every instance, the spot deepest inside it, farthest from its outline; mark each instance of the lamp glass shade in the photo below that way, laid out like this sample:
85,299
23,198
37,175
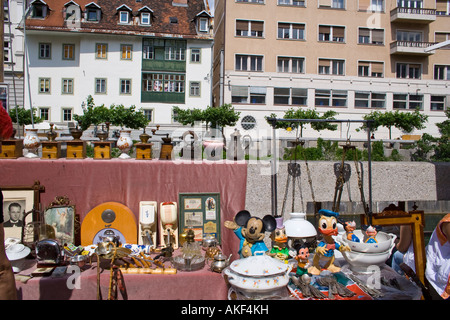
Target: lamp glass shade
298,227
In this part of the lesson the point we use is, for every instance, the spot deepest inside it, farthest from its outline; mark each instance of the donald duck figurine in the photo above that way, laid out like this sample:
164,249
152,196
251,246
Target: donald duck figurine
325,249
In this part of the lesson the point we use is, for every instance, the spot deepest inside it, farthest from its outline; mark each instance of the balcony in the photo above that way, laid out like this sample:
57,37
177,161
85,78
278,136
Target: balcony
411,48
413,15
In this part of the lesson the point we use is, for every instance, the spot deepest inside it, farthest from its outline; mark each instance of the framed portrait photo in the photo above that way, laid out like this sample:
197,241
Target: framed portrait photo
21,205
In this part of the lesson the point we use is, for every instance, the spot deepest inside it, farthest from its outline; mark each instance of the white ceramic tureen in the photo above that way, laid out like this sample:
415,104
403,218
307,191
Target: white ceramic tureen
385,241
259,274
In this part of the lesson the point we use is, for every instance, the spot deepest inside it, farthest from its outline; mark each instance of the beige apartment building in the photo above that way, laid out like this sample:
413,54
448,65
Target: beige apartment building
352,56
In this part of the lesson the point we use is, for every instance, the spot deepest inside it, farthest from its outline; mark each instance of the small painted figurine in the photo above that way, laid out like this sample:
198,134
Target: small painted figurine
325,248
279,238
371,233
302,259
350,231
251,232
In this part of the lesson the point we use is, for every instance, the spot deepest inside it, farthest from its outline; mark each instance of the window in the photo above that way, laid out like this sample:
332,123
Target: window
248,28
203,24
248,63
408,101
410,4
148,50
252,95
442,7
248,122
101,51
195,55
370,36
408,71
194,89
44,113
124,17
331,33
38,10
175,50
158,82
409,36
441,37
67,86
6,50
291,65
295,31
438,103
145,18
125,86
148,114
370,69
330,66
126,50
370,100
251,1
371,5
441,72
93,13
295,3
335,4
66,114
100,86
68,51
45,51
44,85
290,96
331,98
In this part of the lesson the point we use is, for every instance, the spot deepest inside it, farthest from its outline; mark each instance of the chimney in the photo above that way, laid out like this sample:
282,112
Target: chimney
180,3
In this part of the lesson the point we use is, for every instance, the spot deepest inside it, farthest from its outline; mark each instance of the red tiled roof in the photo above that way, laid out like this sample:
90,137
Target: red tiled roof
161,26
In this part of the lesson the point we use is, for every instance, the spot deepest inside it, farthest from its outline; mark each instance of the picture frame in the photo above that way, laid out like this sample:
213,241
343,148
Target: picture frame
200,212
26,201
60,221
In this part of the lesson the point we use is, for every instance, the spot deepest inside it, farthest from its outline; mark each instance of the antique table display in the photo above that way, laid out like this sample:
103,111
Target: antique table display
102,149
11,148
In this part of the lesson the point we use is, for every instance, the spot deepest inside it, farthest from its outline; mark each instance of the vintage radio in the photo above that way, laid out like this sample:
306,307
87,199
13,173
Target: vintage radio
51,150
102,149
11,148
76,149
143,151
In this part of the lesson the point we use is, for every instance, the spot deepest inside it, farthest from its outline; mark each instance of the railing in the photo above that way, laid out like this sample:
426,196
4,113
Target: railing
411,44
420,11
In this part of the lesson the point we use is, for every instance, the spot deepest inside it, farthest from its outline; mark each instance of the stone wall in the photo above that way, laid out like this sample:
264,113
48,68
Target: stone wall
427,184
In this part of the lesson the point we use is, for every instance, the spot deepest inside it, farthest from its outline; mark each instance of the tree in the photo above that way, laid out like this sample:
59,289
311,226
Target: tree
301,113
24,116
442,148
406,121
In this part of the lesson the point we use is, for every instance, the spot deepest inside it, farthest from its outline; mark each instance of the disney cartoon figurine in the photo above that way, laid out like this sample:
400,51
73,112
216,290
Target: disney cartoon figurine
325,248
370,234
302,259
349,228
251,232
279,238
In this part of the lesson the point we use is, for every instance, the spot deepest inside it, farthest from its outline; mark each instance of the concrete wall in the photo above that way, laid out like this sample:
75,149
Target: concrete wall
427,184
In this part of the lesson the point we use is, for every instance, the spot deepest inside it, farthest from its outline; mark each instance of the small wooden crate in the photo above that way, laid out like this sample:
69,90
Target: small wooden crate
51,150
102,150
76,149
143,151
11,148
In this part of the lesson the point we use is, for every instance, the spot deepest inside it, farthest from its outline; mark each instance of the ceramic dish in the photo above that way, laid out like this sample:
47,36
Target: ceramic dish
260,274
385,242
361,262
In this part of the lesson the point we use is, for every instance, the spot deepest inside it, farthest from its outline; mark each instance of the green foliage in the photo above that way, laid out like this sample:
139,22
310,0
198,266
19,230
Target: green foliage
301,113
216,117
406,121
24,116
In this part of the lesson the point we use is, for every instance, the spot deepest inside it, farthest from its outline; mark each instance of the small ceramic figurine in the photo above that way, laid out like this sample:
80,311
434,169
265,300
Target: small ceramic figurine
349,230
325,248
279,238
251,232
370,234
302,259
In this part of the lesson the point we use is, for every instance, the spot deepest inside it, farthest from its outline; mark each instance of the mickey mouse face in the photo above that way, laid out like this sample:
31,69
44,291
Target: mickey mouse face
254,229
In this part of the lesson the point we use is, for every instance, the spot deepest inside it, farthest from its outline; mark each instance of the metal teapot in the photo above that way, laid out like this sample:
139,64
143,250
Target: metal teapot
220,262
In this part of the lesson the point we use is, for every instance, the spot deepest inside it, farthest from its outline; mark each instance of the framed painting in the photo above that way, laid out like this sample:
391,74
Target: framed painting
21,211
60,221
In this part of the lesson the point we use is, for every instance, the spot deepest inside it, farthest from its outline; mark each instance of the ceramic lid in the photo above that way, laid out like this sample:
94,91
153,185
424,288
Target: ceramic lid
17,251
259,266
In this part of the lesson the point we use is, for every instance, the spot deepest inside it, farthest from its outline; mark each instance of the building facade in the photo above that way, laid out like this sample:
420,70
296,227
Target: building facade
353,57
153,55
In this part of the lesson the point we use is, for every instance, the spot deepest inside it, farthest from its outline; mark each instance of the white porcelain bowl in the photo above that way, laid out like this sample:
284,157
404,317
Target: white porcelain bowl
362,262
258,274
385,242
298,227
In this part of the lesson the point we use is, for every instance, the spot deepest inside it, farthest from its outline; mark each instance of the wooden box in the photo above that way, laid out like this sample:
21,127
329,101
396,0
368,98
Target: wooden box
51,150
76,149
11,149
166,151
102,149
143,151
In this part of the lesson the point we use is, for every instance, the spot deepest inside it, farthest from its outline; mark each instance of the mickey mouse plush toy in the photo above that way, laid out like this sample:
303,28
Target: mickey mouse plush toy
251,232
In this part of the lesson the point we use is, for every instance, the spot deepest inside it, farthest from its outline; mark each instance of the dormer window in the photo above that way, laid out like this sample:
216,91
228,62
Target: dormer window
202,20
124,14
39,9
72,11
93,12
145,16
